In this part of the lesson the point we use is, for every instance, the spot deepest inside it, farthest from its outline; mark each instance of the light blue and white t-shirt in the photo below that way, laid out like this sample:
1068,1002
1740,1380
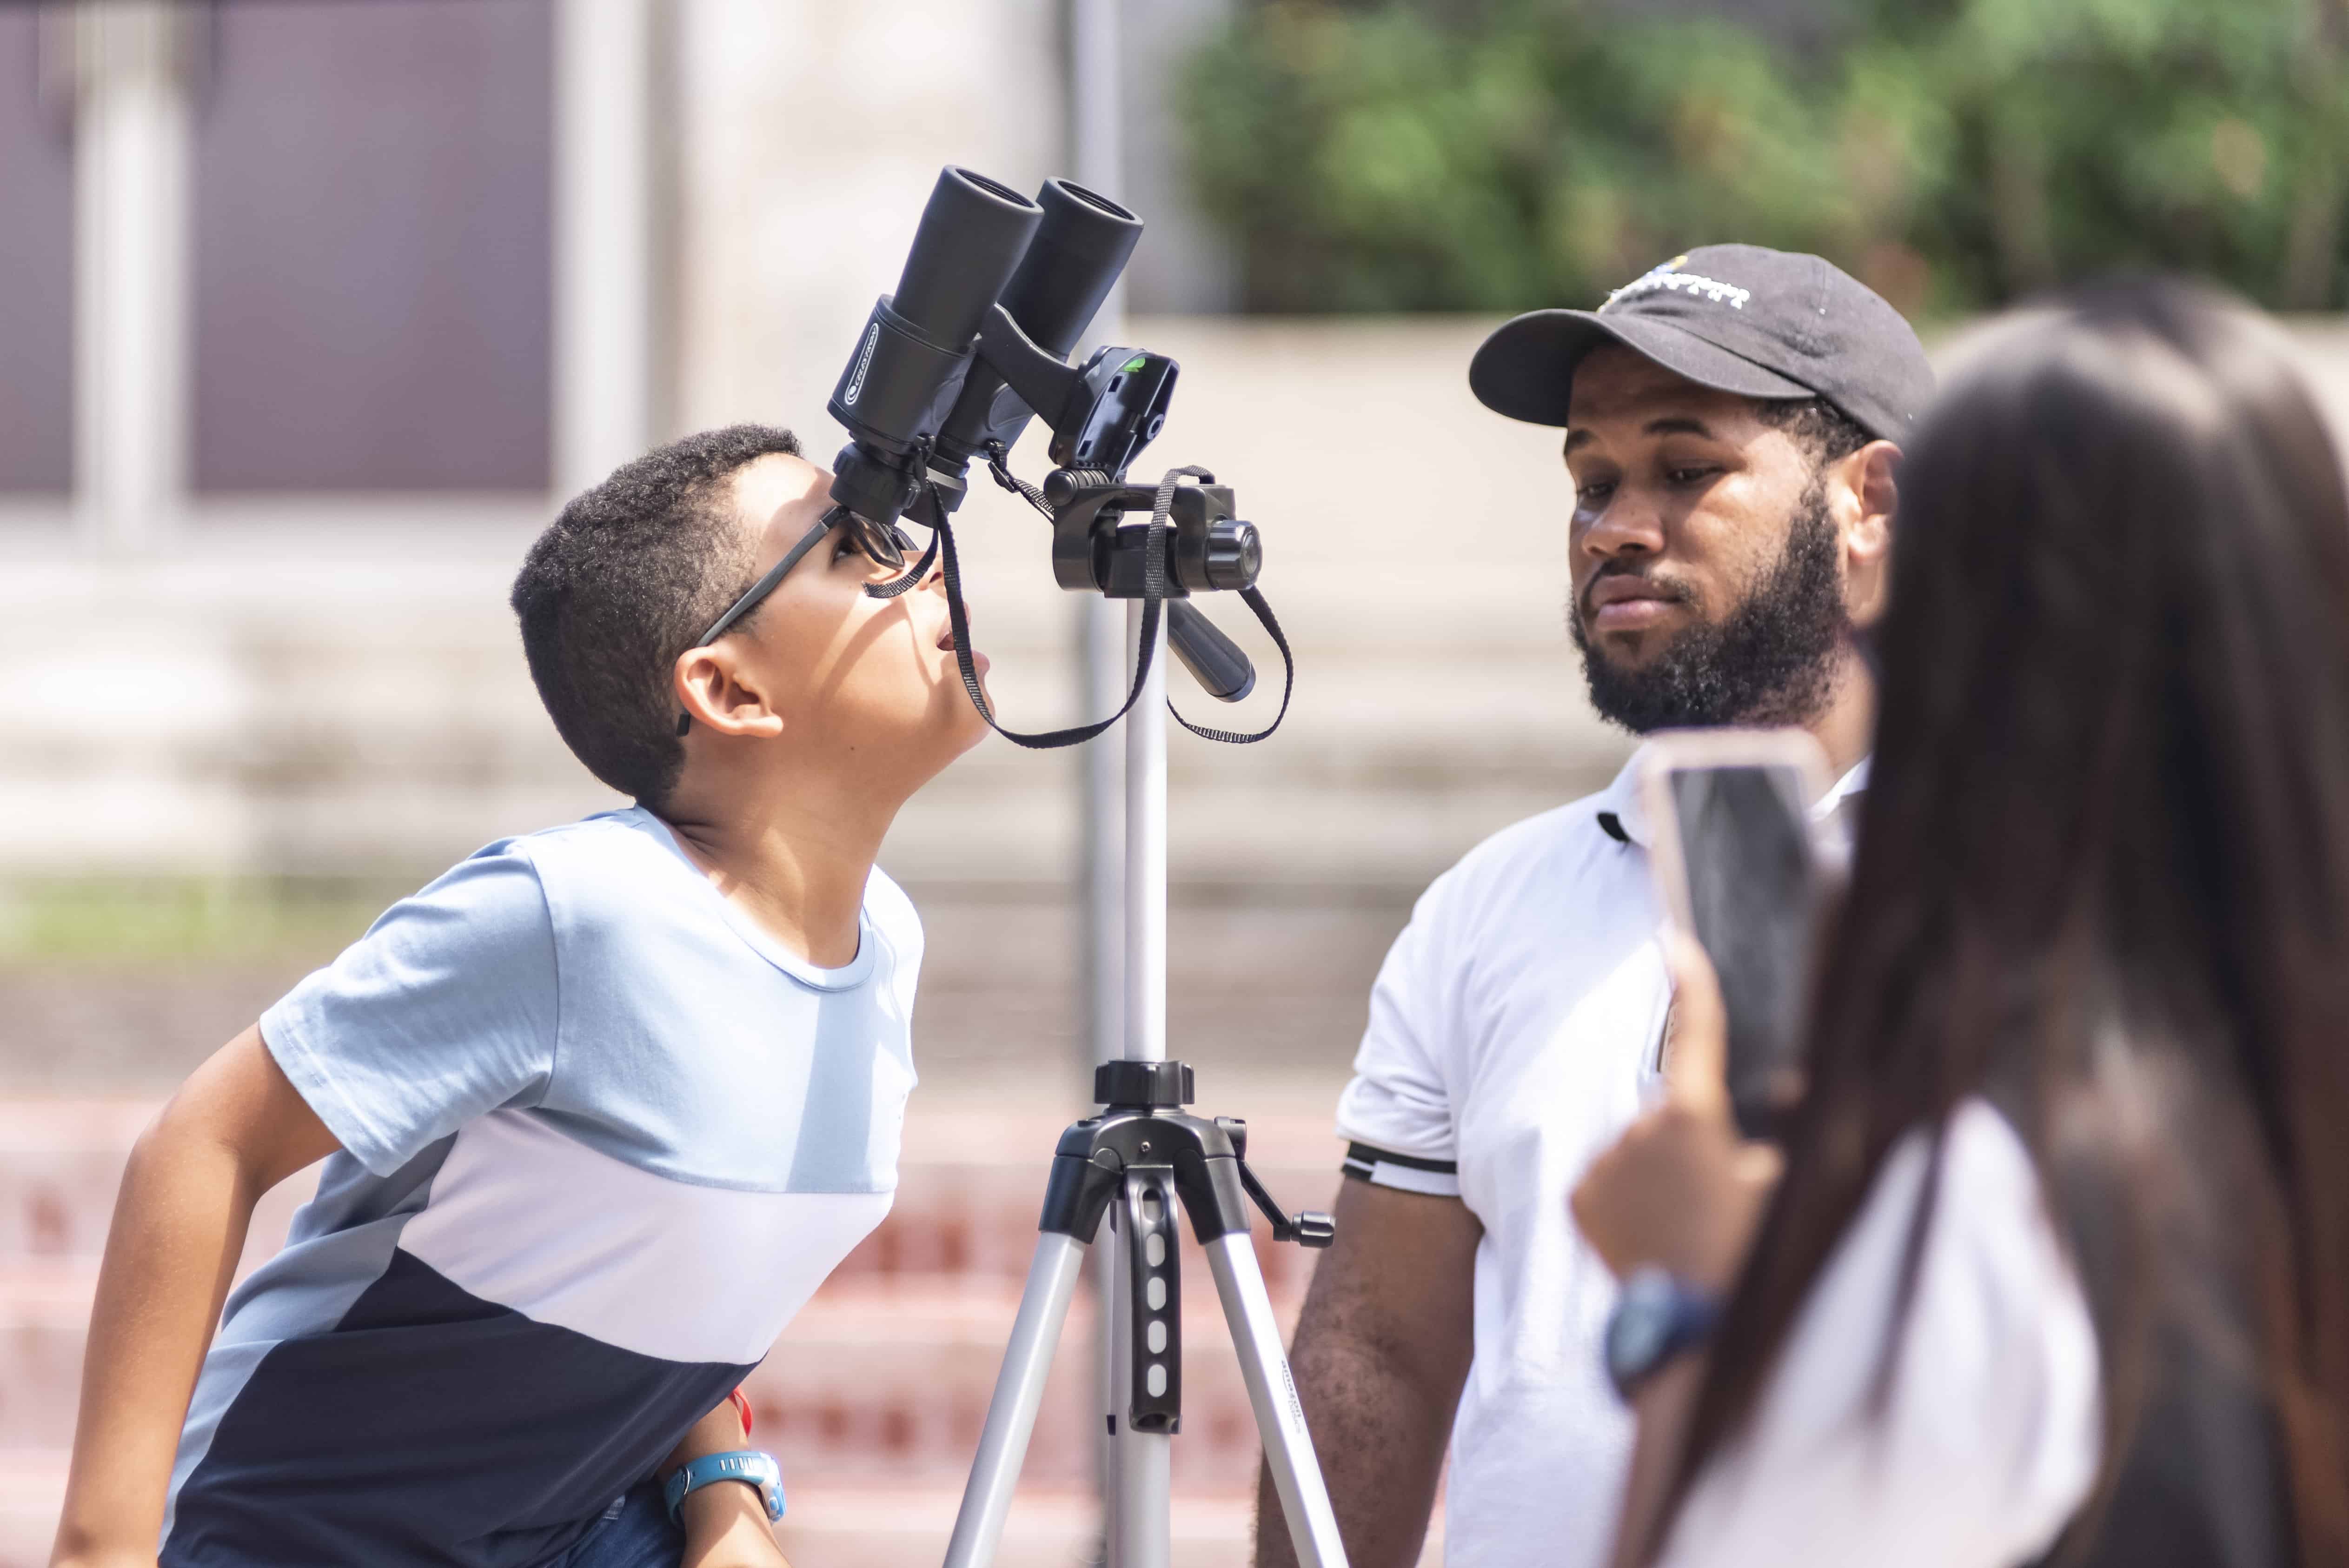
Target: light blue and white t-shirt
602,1138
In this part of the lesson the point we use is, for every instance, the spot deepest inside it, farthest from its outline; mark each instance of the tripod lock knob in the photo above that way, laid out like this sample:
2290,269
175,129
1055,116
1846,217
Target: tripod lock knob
1155,1085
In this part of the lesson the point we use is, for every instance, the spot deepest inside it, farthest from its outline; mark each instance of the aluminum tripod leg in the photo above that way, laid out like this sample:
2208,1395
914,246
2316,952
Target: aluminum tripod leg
1279,1418
1018,1391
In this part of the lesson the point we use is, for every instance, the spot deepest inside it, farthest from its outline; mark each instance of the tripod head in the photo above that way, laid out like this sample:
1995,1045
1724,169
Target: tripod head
994,293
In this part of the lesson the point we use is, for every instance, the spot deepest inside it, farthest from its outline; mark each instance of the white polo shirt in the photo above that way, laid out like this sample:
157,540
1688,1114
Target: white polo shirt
1514,1033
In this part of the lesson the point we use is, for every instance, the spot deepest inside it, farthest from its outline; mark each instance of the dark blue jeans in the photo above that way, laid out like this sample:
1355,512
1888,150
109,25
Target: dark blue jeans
634,1533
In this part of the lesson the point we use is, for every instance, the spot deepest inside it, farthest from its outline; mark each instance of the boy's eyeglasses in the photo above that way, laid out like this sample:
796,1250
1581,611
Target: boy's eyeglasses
882,546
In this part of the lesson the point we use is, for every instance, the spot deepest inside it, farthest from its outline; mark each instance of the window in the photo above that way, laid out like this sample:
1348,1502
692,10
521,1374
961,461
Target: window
36,258
371,248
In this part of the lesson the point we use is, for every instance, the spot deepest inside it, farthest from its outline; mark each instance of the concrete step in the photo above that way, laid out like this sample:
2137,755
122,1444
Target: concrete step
891,1382
877,1379
971,1183
891,1527
878,1388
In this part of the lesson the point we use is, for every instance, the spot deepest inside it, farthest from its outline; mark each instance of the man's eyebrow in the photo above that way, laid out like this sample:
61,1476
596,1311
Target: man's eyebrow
1663,424
1677,425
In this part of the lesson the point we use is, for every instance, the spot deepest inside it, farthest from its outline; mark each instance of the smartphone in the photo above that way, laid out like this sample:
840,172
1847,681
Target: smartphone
1738,868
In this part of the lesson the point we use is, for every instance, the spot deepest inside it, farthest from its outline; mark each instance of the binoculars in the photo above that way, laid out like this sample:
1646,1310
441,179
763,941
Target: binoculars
974,343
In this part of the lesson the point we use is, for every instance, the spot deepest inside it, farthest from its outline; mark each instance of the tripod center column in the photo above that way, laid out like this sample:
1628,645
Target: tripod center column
1145,854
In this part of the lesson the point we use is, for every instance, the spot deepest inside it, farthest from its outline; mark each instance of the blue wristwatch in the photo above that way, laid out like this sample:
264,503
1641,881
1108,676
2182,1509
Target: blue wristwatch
750,1466
1656,1318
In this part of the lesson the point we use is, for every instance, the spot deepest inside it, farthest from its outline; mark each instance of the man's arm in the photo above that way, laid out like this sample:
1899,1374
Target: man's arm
234,1130
1381,1353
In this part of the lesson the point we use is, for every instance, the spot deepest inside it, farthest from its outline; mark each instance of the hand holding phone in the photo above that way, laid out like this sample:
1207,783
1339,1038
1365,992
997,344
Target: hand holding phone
1737,869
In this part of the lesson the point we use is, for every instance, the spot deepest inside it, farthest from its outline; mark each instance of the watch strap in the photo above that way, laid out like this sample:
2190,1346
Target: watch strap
752,1467
1657,1319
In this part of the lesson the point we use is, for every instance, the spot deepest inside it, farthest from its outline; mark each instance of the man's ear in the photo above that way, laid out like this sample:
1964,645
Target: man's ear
714,689
1871,499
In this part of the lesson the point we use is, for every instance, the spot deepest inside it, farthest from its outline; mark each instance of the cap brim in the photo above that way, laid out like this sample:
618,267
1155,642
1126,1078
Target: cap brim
1526,368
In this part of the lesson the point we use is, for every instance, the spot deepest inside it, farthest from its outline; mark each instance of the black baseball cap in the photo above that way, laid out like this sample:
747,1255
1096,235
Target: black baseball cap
1742,318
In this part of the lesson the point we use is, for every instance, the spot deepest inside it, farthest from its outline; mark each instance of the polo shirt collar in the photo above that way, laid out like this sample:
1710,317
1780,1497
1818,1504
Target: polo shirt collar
1621,804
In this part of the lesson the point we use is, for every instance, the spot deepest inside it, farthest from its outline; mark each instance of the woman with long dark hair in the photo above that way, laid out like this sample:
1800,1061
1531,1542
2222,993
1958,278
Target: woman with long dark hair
2058,1263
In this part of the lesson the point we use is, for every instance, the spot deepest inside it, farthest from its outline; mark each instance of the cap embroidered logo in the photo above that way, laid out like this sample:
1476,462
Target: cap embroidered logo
1669,276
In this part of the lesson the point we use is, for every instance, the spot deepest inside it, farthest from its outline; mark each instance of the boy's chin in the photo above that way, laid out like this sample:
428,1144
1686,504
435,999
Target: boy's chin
969,724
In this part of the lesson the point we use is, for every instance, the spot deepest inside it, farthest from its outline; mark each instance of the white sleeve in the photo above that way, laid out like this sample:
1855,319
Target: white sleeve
1396,1112
1989,1439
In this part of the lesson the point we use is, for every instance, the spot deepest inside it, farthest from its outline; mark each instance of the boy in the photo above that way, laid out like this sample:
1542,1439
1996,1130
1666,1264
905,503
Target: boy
601,1107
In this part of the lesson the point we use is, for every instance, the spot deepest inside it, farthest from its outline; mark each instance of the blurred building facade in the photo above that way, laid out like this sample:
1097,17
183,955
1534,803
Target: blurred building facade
323,309
314,313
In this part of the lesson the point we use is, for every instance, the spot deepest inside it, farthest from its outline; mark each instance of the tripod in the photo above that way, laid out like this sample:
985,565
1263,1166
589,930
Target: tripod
1132,1166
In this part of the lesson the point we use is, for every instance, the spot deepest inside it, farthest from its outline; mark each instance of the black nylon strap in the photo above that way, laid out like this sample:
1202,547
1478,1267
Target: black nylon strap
1153,597
914,574
999,464
1254,601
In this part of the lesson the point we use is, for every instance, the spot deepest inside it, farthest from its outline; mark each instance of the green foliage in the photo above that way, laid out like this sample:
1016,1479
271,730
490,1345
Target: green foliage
1418,154
143,919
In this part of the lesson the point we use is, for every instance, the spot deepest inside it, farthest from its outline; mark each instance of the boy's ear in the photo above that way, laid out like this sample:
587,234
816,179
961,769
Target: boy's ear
716,692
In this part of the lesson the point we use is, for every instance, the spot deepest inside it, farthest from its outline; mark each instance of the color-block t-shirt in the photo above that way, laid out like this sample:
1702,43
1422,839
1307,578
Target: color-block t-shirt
602,1138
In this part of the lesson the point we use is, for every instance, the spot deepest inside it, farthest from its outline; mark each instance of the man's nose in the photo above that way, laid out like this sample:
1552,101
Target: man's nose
1627,525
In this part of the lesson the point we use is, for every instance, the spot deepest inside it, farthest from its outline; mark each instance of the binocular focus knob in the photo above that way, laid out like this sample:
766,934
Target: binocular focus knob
1233,554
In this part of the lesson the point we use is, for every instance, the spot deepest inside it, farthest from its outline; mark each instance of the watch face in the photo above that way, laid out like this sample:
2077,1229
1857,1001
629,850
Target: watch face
1635,1337
1642,1324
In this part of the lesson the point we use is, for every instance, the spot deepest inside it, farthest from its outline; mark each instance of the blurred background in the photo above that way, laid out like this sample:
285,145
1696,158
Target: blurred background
312,312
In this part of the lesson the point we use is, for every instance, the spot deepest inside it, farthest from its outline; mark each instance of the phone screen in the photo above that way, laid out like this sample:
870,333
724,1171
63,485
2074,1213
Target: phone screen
1754,892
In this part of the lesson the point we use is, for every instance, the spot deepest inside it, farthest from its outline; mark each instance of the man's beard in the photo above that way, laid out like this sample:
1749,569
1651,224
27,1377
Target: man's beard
1771,661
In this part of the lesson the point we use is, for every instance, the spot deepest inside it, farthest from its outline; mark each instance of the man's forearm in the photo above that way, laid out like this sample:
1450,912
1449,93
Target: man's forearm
1379,1425
178,1228
1381,1353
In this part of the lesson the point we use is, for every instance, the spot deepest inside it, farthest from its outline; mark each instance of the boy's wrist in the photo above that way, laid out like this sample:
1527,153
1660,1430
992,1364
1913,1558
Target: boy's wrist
715,1507
747,1466
726,1525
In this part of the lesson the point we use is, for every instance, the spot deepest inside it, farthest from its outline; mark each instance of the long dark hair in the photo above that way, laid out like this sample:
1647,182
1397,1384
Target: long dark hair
2103,875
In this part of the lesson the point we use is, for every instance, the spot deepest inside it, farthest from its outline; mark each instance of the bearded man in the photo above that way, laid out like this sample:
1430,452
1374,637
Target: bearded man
1732,425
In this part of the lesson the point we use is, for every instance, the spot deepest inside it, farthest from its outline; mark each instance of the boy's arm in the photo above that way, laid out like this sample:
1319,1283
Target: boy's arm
235,1130
725,1525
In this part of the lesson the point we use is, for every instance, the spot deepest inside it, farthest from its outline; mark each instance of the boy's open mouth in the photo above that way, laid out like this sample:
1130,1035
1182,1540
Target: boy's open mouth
978,661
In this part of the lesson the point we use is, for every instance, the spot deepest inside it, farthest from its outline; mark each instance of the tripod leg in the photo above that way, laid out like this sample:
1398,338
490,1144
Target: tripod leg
1279,1418
1018,1391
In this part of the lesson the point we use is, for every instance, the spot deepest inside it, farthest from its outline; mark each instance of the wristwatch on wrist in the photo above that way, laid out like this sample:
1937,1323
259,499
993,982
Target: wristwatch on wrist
1657,1318
751,1467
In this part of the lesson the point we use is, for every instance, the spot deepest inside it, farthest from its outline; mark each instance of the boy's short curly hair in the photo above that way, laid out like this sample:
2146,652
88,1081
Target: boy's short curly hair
620,585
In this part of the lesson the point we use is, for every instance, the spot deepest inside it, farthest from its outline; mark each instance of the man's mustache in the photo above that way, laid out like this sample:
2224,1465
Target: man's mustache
1657,585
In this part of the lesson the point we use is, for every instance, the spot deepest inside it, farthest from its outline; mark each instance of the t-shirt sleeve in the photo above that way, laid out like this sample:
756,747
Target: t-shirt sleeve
1988,1439
1396,1112
445,1009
